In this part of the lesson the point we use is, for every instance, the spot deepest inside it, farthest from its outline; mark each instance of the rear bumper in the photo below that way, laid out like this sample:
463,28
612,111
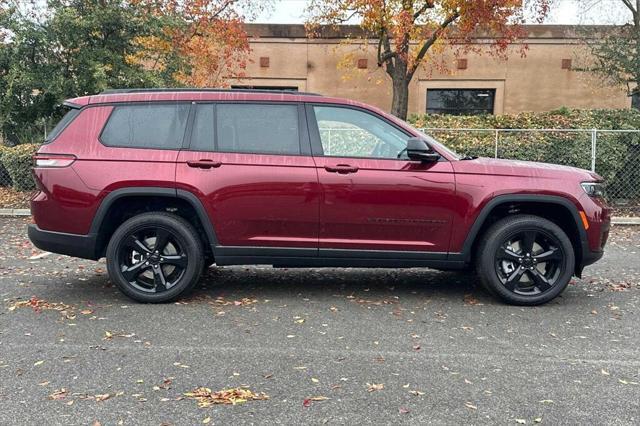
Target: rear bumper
83,246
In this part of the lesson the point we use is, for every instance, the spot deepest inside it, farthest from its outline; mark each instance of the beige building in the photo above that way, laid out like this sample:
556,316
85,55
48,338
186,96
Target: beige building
544,79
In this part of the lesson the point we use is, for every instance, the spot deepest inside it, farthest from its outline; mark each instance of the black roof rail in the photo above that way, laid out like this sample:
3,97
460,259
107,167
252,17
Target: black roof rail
186,89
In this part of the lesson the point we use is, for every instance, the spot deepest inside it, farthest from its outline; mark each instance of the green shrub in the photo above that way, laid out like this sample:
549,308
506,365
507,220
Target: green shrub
18,161
617,154
5,179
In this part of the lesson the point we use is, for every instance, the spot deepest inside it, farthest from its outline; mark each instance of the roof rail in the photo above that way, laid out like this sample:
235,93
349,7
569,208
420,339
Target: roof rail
186,89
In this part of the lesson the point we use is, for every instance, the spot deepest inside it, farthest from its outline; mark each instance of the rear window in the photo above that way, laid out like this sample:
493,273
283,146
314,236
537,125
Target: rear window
159,126
62,124
257,129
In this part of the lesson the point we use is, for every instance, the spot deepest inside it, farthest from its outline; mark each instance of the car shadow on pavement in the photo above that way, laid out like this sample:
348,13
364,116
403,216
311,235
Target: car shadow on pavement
274,283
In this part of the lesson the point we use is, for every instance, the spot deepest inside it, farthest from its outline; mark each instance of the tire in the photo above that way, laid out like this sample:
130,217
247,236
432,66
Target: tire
525,260
148,275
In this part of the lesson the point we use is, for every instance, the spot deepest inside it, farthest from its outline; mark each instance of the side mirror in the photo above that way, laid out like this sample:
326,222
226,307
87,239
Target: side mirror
418,150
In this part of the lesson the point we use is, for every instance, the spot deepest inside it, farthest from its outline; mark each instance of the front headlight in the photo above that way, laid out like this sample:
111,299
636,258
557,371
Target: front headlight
594,189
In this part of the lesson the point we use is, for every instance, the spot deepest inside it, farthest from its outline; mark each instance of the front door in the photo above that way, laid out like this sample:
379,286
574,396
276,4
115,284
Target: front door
374,198
251,163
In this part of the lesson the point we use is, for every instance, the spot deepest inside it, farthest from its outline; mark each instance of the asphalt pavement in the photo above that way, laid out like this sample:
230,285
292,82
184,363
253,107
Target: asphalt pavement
315,346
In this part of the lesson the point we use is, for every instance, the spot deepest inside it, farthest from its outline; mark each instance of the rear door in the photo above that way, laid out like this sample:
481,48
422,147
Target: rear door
250,163
376,200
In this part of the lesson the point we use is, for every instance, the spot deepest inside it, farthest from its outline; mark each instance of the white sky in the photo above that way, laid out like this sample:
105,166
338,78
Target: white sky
563,12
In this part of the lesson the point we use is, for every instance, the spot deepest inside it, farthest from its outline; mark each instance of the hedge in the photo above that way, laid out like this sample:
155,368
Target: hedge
17,162
617,154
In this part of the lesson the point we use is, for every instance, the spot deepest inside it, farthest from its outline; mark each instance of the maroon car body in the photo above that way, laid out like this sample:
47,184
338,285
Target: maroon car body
298,210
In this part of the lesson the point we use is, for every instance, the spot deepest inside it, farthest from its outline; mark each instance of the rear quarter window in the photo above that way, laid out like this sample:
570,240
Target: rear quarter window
62,124
158,126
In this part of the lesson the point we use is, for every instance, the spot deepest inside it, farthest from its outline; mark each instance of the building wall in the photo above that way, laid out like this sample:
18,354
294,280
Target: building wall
536,82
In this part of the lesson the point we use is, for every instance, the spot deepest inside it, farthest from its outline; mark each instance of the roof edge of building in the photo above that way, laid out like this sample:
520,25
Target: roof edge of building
296,31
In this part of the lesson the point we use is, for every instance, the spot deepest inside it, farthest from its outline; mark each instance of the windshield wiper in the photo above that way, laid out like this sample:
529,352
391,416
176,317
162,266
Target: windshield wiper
469,157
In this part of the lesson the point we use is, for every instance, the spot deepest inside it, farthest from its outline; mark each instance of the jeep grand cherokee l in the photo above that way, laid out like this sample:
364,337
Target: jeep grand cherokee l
166,182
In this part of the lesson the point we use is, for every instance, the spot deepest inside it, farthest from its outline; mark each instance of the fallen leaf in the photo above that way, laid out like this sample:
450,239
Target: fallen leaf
470,406
206,420
206,397
372,387
35,364
58,394
521,421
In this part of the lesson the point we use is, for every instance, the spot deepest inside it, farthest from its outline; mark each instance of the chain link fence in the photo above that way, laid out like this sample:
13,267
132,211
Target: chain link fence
614,154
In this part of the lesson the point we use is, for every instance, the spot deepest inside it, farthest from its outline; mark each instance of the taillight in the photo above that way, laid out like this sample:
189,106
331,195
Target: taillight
53,160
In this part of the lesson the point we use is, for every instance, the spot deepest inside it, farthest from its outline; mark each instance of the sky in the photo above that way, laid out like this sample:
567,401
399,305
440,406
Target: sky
568,12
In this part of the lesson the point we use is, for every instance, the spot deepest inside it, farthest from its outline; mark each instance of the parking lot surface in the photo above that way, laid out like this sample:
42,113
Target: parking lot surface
315,346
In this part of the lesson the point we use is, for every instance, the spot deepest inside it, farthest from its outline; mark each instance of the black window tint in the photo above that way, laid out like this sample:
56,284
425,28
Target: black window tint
460,101
202,135
266,129
62,124
146,126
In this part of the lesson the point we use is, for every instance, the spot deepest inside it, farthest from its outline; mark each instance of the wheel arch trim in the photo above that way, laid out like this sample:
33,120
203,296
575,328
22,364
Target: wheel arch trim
111,197
480,220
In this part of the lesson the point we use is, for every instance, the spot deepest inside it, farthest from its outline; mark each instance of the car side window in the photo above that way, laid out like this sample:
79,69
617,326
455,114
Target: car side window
159,126
348,132
203,133
257,128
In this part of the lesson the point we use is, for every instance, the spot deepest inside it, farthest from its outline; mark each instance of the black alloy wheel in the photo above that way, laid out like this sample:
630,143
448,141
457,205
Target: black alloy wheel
155,257
525,260
152,259
529,262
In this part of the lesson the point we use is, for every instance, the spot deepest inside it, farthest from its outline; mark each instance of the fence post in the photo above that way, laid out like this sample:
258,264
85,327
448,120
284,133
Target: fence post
594,139
496,147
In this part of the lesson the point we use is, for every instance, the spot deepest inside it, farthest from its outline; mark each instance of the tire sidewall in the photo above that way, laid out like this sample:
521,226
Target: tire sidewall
185,236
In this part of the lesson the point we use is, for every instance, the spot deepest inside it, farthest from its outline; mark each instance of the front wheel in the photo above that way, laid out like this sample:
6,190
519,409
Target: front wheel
525,260
155,257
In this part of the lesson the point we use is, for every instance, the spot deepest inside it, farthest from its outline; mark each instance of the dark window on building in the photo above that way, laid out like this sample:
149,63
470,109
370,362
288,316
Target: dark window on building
635,100
460,101
260,129
146,126
202,136
290,88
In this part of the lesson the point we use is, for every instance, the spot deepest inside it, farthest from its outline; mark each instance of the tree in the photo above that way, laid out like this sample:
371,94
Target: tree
408,31
203,41
66,48
615,52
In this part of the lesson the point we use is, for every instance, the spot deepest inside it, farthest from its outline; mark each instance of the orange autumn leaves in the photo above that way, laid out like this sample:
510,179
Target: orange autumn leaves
202,42
413,31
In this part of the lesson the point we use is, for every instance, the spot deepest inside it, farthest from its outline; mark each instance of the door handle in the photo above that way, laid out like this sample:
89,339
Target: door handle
204,164
342,169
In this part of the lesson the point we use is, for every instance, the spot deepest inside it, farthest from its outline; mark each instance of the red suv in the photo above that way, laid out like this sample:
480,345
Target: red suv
167,182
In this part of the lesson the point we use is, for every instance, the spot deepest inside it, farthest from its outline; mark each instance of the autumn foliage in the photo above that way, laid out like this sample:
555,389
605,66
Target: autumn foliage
203,40
412,33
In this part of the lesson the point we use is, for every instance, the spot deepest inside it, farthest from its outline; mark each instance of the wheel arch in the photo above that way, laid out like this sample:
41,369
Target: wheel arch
102,227
559,210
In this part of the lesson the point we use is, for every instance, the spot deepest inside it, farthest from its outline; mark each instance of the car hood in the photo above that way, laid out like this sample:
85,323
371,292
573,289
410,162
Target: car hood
498,167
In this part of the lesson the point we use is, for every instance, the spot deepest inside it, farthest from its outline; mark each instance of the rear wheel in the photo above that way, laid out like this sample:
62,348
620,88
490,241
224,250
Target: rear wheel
155,257
525,260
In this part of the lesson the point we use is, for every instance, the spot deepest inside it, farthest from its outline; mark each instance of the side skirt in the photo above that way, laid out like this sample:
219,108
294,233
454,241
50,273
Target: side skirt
325,258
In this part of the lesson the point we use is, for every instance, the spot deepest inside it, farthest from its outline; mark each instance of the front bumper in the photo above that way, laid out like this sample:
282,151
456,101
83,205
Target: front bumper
83,246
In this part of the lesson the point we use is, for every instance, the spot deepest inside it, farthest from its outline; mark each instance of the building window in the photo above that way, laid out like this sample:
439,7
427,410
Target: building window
460,101
290,88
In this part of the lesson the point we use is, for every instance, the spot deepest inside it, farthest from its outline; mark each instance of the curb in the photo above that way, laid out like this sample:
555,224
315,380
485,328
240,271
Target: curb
616,220
14,212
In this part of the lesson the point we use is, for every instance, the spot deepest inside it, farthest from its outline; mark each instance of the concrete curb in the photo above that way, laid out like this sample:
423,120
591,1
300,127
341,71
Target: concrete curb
14,212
